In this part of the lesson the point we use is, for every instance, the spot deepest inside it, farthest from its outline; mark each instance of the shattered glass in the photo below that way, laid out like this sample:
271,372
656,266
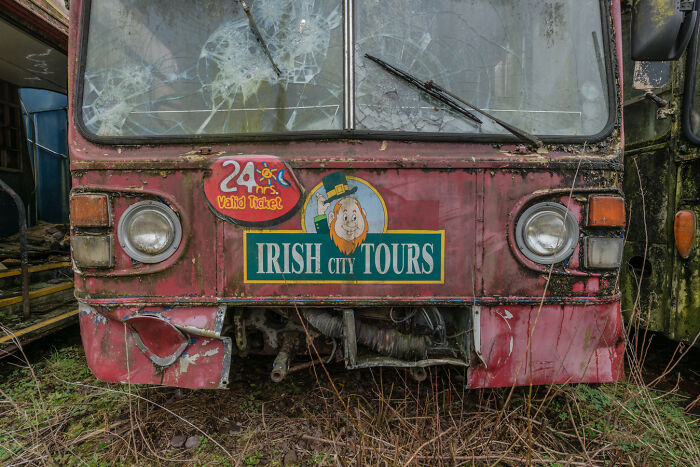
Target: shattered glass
183,68
535,64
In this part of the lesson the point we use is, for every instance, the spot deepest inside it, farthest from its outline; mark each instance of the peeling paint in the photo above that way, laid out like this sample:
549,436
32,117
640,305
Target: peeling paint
211,352
186,360
87,310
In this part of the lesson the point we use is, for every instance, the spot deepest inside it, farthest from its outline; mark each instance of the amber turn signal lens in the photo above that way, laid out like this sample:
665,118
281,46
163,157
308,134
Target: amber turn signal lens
606,211
684,232
90,210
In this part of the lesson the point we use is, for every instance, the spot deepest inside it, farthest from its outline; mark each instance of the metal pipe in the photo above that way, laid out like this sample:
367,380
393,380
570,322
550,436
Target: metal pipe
280,367
384,341
303,366
23,255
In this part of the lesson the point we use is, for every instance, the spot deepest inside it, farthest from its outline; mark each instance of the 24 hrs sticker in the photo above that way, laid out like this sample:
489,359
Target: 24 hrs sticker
252,191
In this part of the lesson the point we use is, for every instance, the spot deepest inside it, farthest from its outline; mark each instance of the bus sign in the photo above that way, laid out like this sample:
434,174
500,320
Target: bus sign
344,239
394,257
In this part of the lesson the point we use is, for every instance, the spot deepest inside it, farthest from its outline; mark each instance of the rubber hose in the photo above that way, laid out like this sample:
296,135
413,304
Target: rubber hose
384,341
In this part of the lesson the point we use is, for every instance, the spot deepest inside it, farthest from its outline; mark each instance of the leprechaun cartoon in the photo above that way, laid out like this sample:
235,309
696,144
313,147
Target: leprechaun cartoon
347,223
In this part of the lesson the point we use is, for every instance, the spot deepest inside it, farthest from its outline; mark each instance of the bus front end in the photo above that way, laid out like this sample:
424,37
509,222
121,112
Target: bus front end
400,184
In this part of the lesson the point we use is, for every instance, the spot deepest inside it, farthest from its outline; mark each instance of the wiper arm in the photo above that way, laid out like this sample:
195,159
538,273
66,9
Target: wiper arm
451,100
442,97
256,31
521,134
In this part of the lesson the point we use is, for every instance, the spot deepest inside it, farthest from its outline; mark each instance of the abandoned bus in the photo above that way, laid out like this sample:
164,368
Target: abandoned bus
662,186
400,184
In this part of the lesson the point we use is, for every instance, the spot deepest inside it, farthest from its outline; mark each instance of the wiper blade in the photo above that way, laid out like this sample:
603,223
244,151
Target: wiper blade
522,134
256,31
451,100
442,97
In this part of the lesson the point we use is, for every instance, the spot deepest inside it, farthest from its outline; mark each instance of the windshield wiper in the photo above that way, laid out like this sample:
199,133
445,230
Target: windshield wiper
256,31
450,101
453,101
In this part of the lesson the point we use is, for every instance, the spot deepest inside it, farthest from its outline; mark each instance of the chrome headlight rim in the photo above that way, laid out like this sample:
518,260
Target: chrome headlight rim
125,223
570,242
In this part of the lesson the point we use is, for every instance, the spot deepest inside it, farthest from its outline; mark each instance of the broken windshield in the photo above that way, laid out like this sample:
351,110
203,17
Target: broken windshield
179,67
185,68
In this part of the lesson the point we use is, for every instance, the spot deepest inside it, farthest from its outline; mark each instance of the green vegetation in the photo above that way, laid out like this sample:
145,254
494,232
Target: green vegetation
56,413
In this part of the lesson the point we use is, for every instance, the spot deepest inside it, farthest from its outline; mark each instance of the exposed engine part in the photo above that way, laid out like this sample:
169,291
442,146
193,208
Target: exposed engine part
418,374
305,365
335,347
240,335
280,366
432,320
384,341
401,337
331,357
260,330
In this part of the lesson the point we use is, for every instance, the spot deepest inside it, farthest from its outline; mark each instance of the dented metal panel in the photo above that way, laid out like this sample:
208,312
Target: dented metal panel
549,344
113,354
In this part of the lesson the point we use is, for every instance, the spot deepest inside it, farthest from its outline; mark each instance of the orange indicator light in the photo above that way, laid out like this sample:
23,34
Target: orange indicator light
684,232
89,210
606,211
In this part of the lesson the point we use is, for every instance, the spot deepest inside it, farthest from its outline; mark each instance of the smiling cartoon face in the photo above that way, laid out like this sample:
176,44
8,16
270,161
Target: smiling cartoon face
348,225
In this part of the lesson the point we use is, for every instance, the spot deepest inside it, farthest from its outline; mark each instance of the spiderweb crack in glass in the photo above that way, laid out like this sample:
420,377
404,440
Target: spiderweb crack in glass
212,76
119,92
182,68
532,63
234,66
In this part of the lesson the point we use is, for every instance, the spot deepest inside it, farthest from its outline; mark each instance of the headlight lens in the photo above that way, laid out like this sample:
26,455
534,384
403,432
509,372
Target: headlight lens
547,233
149,231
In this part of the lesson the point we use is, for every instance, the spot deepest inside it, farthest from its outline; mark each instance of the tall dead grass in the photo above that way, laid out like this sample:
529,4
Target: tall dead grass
334,417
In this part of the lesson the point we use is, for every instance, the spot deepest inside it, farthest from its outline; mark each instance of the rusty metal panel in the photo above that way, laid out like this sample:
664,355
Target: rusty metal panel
468,211
203,321
505,272
549,344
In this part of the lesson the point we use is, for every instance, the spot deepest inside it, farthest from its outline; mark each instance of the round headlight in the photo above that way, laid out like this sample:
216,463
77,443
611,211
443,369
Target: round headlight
547,233
149,231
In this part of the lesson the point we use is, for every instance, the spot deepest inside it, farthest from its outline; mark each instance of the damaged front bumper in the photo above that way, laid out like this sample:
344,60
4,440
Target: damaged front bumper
170,346
498,344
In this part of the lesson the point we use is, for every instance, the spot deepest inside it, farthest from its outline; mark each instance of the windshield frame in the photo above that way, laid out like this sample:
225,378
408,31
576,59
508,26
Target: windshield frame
611,72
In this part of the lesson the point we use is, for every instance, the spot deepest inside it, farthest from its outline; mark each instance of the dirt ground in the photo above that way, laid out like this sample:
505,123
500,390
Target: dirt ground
54,412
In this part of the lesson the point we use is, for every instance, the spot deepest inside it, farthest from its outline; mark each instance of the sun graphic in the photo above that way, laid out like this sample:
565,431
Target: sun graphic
266,174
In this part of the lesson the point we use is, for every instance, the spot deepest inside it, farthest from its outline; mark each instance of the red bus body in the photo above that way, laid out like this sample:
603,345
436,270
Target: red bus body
529,323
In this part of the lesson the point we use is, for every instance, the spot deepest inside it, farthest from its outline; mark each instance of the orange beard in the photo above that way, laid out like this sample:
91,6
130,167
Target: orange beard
347,247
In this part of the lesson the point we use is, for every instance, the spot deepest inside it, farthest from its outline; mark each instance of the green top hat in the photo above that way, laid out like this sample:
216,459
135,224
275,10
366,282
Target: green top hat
337,187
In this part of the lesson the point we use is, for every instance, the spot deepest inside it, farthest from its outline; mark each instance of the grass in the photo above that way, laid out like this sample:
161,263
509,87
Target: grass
55,413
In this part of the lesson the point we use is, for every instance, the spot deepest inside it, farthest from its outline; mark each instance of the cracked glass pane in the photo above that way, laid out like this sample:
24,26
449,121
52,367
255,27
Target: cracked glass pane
184,68
537,64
